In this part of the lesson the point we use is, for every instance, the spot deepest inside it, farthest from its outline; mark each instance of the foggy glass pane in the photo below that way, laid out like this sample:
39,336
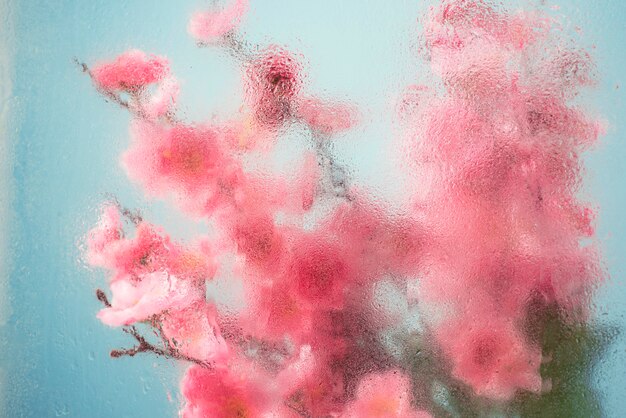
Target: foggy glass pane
242,208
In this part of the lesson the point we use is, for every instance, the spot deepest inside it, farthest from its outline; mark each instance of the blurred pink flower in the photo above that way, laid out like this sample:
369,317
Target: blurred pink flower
387,244
273,82
224,393
195,261
101,237
490,355
186,162
318,388
194,332
138,300
320,271
383,395
281,314
131,70
259,240
327,117
146,252
209,26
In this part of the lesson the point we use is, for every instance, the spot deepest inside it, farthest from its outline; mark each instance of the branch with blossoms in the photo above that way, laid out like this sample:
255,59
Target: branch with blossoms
144,346
472,300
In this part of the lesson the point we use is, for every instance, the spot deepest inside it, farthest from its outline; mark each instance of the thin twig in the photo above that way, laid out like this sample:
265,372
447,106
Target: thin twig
132,215
146,347
337,173
102,297
236,47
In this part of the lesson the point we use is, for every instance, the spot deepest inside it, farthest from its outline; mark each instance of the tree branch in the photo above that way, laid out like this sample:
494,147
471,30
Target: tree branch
147,347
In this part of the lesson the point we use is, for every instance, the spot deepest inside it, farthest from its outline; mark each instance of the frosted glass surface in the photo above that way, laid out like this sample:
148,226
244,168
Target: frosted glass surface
274,208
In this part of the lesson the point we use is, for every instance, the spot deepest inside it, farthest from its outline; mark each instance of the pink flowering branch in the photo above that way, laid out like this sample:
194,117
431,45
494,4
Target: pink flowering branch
135,108
110,95
144,345
500,172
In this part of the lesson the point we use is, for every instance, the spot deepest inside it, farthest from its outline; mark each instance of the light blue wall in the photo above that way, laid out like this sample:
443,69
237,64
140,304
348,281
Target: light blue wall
67,141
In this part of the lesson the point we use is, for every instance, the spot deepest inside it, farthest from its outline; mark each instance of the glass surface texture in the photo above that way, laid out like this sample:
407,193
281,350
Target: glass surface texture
272,208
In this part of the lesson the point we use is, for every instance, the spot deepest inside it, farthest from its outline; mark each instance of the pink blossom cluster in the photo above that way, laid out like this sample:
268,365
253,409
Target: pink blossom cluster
155,279
131,70
499,153
494,229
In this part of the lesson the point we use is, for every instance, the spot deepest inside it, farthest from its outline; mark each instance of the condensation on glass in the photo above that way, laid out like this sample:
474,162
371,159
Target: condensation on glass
245,209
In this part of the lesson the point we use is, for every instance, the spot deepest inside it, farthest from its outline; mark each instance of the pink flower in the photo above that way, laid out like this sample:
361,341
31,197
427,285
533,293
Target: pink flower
273,311
108,247
145,253
131,70
186,162
320,271
209,26
195,261
525,28
328,118
383,395
148,251
259,240
456,24
102,237
387,244
247,134
273,81
195,333
139,300
224,393
309,272
491,356
188,156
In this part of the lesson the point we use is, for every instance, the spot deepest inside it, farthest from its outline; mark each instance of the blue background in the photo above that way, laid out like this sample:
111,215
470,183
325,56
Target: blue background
66,141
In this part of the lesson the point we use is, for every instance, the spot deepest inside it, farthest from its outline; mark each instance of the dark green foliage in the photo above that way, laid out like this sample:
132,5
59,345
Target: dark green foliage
573,349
